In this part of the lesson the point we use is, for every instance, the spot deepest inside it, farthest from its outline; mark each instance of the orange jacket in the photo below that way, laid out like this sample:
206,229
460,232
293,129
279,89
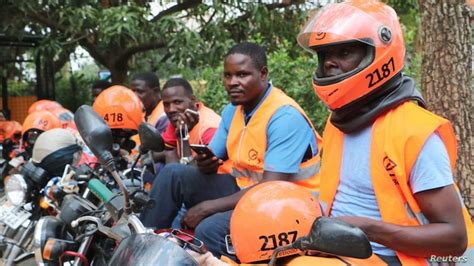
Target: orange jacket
397,139
156,114
152,119
246,144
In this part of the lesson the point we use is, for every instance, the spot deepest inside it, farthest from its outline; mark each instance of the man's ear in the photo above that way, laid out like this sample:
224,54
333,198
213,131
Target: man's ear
264,73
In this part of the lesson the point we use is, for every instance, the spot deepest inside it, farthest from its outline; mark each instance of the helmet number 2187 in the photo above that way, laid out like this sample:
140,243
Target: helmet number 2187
273,241
380,74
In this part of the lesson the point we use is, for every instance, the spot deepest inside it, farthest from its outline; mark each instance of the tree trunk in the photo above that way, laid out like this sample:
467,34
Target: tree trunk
119,74
446,74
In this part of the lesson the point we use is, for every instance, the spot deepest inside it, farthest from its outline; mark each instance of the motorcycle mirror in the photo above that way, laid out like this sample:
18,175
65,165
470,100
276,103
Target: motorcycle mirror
95,133
98,136
335,237
150,138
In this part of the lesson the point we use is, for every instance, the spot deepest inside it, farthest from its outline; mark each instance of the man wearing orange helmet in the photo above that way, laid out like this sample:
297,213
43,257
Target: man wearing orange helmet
123,111
387,162
263,132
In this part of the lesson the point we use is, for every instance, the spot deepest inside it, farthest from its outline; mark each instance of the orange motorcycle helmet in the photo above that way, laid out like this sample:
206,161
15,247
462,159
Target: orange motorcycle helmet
44,104
65,116
120,108
370,22
270,215
10,130
39,121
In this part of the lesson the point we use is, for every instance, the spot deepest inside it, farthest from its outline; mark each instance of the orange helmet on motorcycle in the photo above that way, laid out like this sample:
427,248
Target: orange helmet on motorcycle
40,121
368,22
10,130
43,105
270,215
120,108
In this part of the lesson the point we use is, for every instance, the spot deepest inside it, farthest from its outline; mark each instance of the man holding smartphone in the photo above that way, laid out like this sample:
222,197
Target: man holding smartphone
191,121
264,133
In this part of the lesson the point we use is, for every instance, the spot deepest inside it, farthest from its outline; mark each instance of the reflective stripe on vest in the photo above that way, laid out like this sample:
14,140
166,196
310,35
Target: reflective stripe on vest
304,173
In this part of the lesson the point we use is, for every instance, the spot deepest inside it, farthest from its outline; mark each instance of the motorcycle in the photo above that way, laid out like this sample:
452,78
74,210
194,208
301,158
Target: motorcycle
84,232
20,209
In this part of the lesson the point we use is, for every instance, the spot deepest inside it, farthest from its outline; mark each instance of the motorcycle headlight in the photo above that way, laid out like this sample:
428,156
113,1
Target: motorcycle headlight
16,189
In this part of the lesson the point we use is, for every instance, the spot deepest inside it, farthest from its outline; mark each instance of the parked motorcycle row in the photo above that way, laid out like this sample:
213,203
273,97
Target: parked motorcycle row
88,215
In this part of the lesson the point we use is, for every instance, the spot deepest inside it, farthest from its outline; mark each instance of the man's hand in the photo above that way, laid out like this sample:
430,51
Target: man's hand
444,235
196,214
186,118
207,165
360,222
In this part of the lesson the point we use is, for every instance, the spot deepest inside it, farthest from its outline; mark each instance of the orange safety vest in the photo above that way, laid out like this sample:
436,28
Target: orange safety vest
397,138
247,144
207,119
156,114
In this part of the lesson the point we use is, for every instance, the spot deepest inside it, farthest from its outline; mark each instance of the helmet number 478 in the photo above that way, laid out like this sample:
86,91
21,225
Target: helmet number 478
114,117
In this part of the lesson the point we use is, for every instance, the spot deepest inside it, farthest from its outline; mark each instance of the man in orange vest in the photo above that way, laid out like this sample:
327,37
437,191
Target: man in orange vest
387,162
191,122
263,132
146,86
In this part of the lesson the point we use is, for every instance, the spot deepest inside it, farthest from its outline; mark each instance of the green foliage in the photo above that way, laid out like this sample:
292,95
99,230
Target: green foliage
413,69
294,75
212,28
73,90
20,88
408,12
193,40
213,93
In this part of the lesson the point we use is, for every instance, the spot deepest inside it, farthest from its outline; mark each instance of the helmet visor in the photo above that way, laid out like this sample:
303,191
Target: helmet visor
343,22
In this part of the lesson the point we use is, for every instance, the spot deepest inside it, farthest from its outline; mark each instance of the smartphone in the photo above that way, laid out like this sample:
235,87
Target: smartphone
186,240
191,111
229,246
202,149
